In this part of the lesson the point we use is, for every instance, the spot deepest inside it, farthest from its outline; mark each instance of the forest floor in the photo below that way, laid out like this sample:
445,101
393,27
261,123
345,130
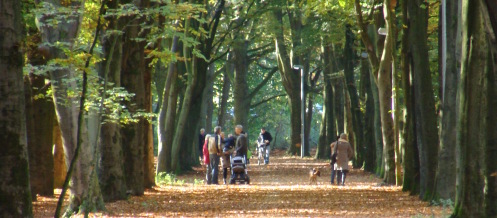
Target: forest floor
278,189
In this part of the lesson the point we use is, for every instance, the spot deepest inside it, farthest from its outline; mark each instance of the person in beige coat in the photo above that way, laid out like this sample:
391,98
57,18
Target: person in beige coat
344,154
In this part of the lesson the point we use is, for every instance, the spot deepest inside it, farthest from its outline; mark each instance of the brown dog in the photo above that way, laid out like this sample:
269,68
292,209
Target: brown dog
313,176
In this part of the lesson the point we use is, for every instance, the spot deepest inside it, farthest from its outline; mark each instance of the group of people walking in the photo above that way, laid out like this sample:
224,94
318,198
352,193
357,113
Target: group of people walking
217,148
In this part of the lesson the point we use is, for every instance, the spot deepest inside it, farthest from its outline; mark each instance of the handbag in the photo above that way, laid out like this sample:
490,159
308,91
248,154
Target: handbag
334,155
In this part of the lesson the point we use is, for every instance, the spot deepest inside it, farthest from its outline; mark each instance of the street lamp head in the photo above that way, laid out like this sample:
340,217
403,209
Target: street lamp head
297,67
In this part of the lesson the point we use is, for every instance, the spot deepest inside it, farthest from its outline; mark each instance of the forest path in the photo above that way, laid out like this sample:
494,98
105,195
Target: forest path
278,189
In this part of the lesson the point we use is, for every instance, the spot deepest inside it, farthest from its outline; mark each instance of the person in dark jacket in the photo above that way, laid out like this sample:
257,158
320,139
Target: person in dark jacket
264,141
241,144
229,145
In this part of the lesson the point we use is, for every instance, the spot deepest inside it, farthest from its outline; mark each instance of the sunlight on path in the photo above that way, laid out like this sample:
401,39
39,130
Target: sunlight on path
278,189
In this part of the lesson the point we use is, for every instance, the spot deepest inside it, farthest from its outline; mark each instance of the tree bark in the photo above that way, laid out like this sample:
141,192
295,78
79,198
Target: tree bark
446,171
384,80
15,195
471,127
290,82
133,68
240,85
369,138
228,70
85,195
327,130
40,115
167,114
111,164
426,120
357,124
60,167
490,10
411,157
196,69
339,104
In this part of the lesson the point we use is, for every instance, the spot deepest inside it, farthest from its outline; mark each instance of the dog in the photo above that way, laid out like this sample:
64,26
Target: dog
313,176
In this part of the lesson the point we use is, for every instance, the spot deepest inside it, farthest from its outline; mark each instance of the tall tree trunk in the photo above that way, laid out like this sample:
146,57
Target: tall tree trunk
111,164
476,185
446,171
196,69
490,18
365,32
132,79
426,120
324,142
167,114
148,135
40,115
290,82
411,157
228,70
60,167
357,124
240,85
384,80
331,124
15,195
85,194
339,105
369,139
471,127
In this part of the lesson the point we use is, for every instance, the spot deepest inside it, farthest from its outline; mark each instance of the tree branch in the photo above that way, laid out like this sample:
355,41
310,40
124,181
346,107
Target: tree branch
266,100
263,83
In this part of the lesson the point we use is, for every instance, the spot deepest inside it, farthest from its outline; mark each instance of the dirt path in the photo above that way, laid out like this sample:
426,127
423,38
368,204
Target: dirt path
278,189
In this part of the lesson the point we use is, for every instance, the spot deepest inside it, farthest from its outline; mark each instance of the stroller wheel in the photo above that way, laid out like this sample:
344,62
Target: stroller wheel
247,179
232,181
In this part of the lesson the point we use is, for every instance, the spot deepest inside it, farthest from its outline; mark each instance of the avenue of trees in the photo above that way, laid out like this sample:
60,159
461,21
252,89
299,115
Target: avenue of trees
91,91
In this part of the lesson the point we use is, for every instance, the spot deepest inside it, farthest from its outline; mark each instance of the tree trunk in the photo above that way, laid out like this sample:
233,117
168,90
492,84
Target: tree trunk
229,69
240,85
40,115
357,124
324,141
85,194
385,92
290,82
410,159
426,120
167,114
308,121
132,79
60,167
490,12
339,104
111,164
471,128
15,195
446,171
196,69
369,139
148,135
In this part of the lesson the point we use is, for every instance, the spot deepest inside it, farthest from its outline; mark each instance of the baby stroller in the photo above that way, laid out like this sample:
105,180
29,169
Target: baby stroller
238,170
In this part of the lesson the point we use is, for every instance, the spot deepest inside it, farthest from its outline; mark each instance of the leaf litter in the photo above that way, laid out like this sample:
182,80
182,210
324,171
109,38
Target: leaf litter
280,189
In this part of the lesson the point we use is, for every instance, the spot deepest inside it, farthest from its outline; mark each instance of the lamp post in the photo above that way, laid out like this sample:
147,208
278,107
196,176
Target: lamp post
302,108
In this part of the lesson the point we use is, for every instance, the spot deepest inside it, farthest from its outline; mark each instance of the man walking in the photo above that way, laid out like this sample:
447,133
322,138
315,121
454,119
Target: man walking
214,154
264,142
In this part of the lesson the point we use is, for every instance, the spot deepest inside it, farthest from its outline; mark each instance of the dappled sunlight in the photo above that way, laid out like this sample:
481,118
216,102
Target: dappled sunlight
278,189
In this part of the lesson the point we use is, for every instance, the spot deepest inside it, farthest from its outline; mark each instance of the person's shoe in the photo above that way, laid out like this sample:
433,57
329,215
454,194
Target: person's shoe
224,181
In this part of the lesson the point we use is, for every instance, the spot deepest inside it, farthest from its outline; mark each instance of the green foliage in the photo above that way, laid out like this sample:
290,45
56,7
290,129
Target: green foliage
168,179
